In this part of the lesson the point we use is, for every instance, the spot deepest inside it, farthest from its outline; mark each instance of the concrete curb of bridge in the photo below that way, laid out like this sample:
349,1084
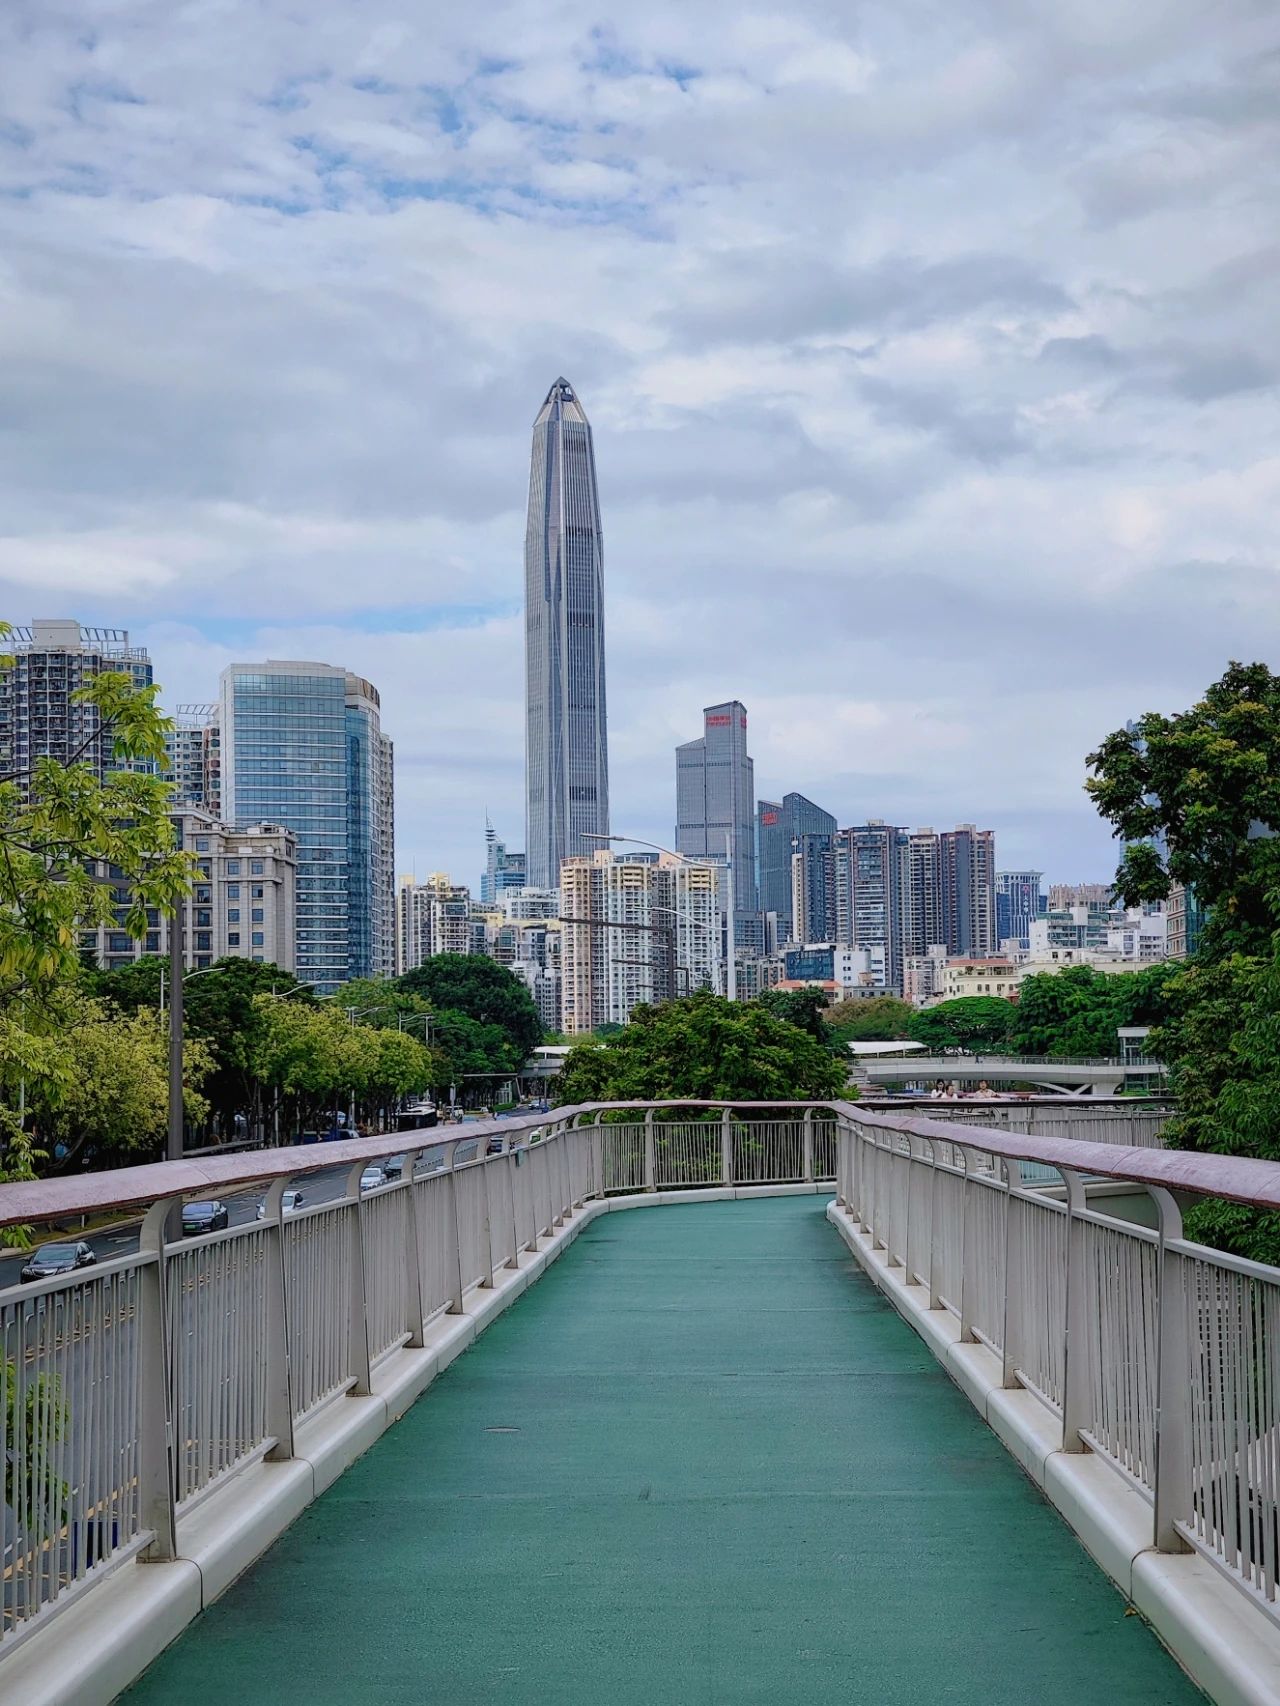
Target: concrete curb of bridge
1226,1644
91,1650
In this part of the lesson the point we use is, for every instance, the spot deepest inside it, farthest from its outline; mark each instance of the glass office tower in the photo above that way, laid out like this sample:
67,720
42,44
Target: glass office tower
566,745
302,747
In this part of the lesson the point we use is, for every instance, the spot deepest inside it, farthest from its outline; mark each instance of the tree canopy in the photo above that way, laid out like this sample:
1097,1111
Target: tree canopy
704,1048
803,1008
869,1019
1195,798
971,1022
1078,1010
481,990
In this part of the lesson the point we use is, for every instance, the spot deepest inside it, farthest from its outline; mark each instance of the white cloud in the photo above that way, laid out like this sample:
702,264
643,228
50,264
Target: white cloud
931,357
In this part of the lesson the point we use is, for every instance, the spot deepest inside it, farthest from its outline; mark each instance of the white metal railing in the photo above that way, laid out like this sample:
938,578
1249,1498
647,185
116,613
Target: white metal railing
137,1388
134,1389
1160,1355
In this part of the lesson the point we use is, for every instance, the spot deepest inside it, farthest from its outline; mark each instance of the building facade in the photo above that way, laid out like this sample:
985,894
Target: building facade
967,890
566,739
716,798
433,917
779,825
242,902
1185,922
633,931
193,758
1019,899
40,716
302,745
869,875
503,868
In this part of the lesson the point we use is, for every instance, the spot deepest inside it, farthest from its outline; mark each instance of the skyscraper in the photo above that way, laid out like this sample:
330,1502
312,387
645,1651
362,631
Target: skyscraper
716,797
302,746
1018,901
779,824
869,875
566,744
40,716
503,869
967,890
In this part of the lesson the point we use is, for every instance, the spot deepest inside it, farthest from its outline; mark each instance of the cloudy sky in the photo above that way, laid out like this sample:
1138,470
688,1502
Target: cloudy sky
931,351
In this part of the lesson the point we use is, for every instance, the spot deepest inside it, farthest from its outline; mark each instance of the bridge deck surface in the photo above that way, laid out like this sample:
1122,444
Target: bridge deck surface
702,1461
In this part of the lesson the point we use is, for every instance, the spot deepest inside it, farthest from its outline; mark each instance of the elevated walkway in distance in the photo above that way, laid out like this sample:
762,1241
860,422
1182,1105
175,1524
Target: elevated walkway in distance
703,1460
1098,1077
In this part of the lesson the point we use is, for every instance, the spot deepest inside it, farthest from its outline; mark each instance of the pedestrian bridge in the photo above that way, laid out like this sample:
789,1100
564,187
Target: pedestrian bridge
749,1443
1084,1076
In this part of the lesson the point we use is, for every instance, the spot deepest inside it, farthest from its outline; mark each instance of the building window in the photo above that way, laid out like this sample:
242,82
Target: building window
118,943
258,939
203,940
257,915
153,941
233,938
255,867
233,867
202,843
258,958
233,891
257,891
203,895
202,962
233,915
204,916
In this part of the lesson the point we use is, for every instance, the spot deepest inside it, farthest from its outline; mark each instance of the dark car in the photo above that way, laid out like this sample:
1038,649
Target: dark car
393,1166
204,1217
51,1259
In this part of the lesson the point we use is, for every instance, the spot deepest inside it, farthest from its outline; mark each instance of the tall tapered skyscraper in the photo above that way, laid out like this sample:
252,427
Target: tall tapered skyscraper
566,742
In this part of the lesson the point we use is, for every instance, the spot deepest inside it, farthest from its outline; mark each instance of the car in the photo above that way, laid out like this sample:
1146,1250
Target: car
371,1178
290,1203
200,1217
51,1259
393,1166
494,1146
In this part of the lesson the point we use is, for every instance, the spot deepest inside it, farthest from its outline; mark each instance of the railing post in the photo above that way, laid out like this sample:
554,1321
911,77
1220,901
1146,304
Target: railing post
1077,1375
415,1305
455,1238
513,1261
650,1153
806,1142
276,1353
935,1239
358,1312
969,1256
155,1425
486,1278
1014,1240
726,1147
1173,1475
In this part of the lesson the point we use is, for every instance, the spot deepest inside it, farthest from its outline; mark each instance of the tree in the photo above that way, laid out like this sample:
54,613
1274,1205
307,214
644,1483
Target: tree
704,1048
1078,1010
867,1019
1195,798
59,826
803,1008
108,1099
971,1022
482,990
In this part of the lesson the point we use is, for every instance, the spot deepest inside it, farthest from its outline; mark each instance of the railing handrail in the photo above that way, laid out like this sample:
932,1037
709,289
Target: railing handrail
1237,1178
31,1200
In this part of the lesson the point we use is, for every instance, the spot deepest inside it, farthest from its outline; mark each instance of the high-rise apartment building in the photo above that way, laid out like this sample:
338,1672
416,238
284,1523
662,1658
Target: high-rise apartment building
633,931
302,745
812,916
779,824
241,902
1019,899
1065,895
922,902
716,797
433,917
566,743
503,868
193,758
967,890
869,875
40,716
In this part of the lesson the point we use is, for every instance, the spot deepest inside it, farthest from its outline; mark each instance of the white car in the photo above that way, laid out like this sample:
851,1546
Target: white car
290,1203
371,1178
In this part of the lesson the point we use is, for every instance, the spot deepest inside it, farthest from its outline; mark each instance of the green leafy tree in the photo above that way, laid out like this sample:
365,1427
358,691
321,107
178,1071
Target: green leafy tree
481,990
869,1019
108,1100
1195,798
704,1048
804,1008
1078,1010
970,1023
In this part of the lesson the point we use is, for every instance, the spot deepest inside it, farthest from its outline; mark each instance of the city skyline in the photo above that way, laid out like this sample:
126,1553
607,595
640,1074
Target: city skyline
946,466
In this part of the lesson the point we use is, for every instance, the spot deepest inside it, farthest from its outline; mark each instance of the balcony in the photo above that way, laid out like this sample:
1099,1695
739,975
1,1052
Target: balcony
717,1455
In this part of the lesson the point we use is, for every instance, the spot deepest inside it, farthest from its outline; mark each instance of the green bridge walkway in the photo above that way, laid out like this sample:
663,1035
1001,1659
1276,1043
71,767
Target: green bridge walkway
701,1462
